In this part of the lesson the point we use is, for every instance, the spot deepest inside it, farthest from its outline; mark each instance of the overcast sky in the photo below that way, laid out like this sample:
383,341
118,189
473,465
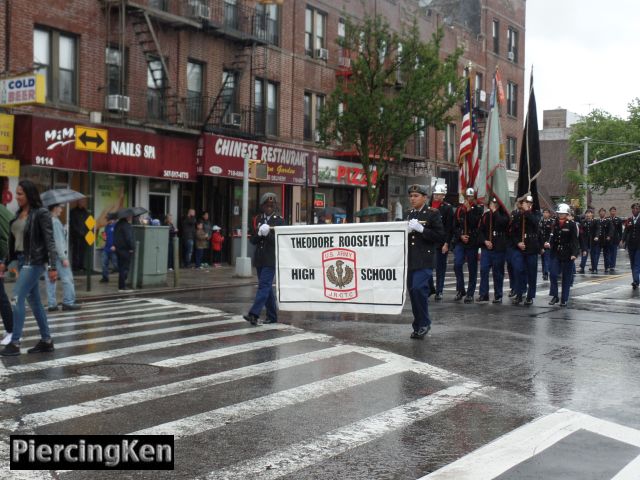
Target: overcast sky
584,54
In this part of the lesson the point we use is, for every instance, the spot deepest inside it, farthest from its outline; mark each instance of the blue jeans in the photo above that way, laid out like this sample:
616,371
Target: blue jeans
27,288
441,269
494,261
108,256
613,254
634,260
199,255
460,254
188,252
566,269
418,286
265,296
68,289
525,270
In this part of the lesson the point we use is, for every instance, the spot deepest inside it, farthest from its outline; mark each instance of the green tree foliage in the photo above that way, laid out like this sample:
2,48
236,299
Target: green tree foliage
392,92
610,136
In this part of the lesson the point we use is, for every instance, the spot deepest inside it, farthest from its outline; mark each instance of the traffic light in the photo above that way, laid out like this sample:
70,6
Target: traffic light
258,170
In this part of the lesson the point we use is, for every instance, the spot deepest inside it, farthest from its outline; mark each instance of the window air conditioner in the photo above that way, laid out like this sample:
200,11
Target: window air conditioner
344,62
322,54
198,9
317,136
118,103
232,120
511,56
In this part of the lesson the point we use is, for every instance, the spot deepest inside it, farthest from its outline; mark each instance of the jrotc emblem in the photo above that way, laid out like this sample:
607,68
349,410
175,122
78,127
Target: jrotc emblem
339,267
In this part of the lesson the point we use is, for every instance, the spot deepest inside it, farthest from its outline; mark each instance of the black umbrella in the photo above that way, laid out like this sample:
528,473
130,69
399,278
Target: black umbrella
130,212
59,195
327,211
374,210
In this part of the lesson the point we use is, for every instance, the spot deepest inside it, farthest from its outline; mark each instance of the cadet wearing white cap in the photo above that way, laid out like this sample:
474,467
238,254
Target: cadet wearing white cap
465,237
565,248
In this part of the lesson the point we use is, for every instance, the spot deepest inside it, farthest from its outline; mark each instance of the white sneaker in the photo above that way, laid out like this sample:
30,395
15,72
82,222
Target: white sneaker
7,339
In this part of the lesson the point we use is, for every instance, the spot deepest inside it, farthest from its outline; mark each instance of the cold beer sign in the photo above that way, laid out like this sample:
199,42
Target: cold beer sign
22,90
342,268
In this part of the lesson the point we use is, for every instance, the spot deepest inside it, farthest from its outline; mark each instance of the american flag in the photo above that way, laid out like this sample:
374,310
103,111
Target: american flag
468,160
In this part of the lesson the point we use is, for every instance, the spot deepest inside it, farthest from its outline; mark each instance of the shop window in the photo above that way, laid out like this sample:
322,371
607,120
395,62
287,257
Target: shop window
55,57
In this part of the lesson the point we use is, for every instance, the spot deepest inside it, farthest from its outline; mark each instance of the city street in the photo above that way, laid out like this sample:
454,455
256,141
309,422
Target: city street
495,391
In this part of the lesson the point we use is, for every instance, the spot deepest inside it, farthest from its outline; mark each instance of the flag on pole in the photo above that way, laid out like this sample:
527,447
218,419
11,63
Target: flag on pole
530,167
492,176
468,156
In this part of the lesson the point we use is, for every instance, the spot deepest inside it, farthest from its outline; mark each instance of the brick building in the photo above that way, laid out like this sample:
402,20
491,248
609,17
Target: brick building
186,88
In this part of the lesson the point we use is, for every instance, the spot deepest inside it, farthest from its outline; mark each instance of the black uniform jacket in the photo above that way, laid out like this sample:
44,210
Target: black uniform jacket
546,227
632,233
525,226
39,245
493,227
265,254
422,246
616,229
447,215
564,240
604,230
466,223
588,231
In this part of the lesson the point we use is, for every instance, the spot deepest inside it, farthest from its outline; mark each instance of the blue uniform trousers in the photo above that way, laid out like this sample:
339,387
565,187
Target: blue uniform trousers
460,254
545,258
566,269
494,261
525,269
613,255
634,260
418,286
441,269
265,296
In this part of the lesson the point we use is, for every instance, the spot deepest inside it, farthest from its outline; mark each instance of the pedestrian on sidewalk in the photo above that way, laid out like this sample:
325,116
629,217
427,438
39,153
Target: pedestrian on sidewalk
207,226
108,255
264,259
78,229
5,306
63,266
565,248
173,232
123,245
631,240
188,236
426,234
202,243
217,239
31,244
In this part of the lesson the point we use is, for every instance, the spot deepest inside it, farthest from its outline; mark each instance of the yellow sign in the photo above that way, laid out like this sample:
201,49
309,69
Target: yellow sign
9,167
90,222
6,134
23,90
91,139
90,238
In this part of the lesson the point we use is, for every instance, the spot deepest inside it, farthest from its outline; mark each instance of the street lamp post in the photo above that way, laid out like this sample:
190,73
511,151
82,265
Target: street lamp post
243,262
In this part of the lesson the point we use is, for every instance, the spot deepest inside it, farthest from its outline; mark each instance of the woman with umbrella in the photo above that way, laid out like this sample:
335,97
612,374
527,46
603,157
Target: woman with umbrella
31,244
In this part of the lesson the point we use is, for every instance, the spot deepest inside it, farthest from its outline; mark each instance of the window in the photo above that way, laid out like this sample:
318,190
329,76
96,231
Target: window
159,4
313,105
55,56
266,105
512,99
315,26
194,92
495,32
116,84
155,90
450,143
231,13
479,99
307,126
420,137
229,94
511,153
512,41
268,23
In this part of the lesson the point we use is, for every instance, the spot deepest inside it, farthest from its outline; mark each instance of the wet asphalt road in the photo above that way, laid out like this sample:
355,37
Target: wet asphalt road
331,396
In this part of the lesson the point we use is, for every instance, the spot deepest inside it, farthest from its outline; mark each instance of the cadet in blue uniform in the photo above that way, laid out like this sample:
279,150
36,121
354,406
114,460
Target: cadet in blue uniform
442,252
603,231
564,250
631,239
425,234
546,225
264,259
466,223
588,245
616,237
492,237
525,236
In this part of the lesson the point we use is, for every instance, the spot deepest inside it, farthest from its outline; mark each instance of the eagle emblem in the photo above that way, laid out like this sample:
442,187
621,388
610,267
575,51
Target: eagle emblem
340,275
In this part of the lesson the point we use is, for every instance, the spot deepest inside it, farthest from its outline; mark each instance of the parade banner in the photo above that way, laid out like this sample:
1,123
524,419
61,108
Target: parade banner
357,267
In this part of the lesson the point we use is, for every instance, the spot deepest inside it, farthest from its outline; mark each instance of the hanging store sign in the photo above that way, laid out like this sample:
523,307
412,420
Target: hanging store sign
24,90
336,172
9,167
6,134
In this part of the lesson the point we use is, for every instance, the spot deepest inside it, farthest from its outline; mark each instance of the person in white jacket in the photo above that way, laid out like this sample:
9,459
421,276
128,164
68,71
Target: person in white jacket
63,266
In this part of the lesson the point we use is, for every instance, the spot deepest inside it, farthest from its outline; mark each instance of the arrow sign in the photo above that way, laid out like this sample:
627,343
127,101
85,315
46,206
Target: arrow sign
91,139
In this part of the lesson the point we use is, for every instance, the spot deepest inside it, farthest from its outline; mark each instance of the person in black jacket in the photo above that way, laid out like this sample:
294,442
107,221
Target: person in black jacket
32,245
546,225
492,236
631,240
123,245
603,232
616,238
264,259
525,236
78,229
465,237
442,250
426,233
564,250
588,233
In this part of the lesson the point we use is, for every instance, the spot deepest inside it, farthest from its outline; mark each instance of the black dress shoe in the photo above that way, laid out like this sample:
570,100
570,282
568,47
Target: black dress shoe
104,280
517,300
545,276
438,297
52,309
269,320
581,271
554,300
42,347
563,304
72,306
528,301
483,298
459,296
634,285
251,318
414,334
468,299
420,334
497,300
512,293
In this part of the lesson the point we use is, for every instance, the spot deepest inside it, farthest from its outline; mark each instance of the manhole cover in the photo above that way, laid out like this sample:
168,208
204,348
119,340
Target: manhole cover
120,370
